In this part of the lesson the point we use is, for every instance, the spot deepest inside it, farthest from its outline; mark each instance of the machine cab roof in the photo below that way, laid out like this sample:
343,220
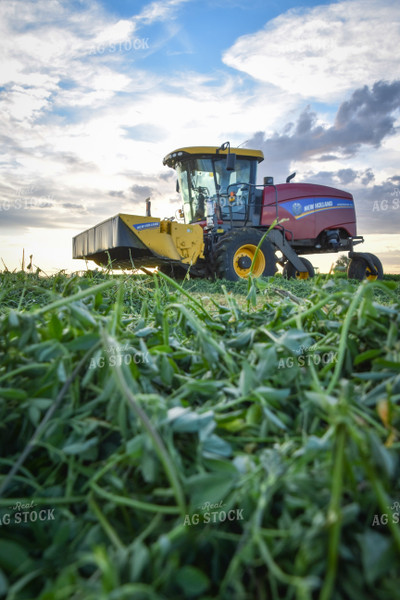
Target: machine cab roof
186,153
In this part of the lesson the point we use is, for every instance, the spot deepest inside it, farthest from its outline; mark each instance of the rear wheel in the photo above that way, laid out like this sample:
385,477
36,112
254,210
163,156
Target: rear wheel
359,269
290,272
234,254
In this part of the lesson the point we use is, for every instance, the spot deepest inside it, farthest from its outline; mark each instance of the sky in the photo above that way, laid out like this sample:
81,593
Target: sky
93,95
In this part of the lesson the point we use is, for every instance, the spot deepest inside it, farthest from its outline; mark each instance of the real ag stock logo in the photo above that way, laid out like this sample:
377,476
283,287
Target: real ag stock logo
27,197
119,355
117,47
213,513
389,203
26,512
392,516
307,355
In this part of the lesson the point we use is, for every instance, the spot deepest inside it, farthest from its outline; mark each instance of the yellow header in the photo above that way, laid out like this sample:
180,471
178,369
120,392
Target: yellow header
181,153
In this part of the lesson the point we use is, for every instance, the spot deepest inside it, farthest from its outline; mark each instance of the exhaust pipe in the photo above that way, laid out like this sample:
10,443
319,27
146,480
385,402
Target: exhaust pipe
148,207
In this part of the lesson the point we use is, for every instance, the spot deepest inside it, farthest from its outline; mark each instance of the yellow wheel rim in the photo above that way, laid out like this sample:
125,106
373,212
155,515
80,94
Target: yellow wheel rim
243,258
301,275
369,276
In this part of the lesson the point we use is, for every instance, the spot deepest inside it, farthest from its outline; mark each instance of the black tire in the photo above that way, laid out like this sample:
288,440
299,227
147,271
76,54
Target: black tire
233,255
358,268
290,272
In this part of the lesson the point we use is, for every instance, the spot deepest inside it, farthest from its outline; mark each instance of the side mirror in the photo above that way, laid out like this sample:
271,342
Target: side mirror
230,162
177,186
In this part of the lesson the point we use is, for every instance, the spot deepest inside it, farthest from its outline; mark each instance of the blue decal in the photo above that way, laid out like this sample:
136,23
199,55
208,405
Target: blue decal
302,207
152,225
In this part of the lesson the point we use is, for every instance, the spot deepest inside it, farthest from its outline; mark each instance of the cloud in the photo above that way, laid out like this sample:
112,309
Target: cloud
159,11
74,205
391,260
368,116
83,118
145,132
25,215
364,120
139,193
324,51
342,177
116,194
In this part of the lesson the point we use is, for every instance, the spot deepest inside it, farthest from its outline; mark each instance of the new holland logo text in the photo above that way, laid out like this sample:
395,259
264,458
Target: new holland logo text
306,206
140,226
317,205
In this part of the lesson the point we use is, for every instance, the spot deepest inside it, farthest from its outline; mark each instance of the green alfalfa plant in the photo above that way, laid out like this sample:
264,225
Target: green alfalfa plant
299,463
252,282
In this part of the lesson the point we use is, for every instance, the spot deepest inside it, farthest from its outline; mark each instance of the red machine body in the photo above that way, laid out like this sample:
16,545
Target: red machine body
310,209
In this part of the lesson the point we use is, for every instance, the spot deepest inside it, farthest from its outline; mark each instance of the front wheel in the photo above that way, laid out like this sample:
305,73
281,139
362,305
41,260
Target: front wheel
235,252
290,272
359,269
